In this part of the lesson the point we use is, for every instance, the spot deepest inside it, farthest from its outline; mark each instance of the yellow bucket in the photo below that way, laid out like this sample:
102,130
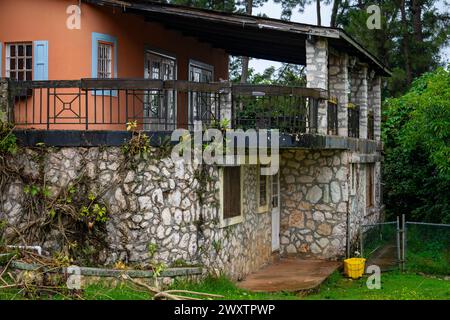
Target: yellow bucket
354,267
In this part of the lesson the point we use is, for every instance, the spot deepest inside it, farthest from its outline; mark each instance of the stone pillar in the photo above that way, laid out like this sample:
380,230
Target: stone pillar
376,106
226,103
359,97
4,100
317,75
338,87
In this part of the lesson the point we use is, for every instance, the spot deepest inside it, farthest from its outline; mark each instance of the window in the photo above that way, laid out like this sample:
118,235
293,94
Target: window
104,69
104,60
231,196
160,106
19,61
370,201
263,191
201,104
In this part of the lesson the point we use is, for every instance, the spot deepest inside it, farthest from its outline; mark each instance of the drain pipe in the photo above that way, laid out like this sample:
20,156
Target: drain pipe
38,249
349,213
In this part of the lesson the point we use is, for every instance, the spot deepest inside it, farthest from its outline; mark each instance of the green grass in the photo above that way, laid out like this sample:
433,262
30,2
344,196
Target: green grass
394,286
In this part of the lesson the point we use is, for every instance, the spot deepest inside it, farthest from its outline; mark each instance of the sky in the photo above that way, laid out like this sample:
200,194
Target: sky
273,10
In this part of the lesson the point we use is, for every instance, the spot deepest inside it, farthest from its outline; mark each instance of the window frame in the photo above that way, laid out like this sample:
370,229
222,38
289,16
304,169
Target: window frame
104,38
264,208
24,70
111,58
162,55
226,222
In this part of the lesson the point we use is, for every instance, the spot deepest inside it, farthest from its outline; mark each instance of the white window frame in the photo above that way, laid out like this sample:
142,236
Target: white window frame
105,64
25,57
226,222
265,208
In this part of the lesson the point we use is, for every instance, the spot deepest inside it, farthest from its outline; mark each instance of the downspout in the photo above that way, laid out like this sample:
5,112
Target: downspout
349,212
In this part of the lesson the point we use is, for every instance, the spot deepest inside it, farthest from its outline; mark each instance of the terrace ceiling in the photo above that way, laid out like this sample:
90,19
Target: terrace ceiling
244,35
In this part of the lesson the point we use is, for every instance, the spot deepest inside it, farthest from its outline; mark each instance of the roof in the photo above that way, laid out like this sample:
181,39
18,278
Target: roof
246,35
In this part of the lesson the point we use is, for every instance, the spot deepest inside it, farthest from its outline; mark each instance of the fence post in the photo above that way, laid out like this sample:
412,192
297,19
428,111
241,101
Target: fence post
399,250
403,242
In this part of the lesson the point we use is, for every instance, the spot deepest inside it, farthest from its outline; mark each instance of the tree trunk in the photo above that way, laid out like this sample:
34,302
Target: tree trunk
405,43
244,73
319,18
334,11
416,10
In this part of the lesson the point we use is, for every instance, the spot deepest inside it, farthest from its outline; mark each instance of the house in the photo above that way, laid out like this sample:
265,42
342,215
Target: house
76,86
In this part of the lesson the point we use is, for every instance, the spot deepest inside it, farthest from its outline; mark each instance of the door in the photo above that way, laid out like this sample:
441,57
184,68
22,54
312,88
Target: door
275,212
200,103
159,105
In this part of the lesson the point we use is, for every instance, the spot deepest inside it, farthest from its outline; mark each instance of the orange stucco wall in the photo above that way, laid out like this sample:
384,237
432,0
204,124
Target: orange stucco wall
70,51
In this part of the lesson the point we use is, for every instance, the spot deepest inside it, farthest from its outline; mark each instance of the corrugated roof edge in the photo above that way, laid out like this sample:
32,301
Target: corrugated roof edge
149,5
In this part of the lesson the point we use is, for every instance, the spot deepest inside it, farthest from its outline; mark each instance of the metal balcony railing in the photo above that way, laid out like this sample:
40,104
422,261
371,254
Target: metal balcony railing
156,105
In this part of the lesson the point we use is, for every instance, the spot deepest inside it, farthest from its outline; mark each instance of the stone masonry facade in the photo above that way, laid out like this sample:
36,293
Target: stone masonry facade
316,202
157,204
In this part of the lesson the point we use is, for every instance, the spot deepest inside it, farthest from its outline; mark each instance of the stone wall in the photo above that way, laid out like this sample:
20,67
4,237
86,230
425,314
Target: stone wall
314,202
155,203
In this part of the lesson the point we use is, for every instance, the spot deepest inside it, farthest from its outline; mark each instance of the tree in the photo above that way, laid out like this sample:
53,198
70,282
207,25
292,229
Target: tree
411,36
416,134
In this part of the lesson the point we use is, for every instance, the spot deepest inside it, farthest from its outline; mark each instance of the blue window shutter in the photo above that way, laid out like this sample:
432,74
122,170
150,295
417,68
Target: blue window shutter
40,60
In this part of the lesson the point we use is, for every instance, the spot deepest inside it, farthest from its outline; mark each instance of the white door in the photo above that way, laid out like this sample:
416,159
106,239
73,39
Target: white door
275,212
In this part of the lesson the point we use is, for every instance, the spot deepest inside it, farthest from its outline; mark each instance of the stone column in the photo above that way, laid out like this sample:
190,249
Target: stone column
376,106
4,100
339,88
317,75
226,103
359,96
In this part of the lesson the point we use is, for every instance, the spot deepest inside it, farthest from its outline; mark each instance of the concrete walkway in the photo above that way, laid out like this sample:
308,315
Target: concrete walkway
289,274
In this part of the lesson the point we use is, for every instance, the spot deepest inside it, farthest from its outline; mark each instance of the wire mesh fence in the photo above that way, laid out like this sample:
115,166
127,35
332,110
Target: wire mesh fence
427,247
408,246
380,245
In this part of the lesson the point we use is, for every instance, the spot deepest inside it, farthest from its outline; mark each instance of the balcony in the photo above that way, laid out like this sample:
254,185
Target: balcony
94,104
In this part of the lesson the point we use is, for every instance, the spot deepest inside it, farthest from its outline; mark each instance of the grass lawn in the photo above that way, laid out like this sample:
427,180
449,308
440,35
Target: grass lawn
394,286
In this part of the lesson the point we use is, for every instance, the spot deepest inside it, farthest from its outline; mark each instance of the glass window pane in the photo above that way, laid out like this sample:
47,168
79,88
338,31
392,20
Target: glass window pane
21,75
12,51
21,51
29,75
29,50
29,64
12,64
20,64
